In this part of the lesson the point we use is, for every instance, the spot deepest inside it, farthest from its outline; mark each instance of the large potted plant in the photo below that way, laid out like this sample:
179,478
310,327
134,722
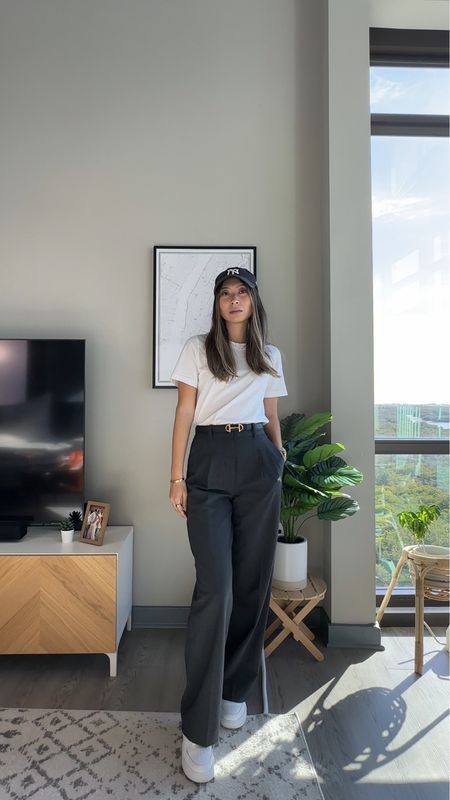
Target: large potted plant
313,477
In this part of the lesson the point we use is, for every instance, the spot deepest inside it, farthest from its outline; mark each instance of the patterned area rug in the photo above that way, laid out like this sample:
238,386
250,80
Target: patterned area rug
66,754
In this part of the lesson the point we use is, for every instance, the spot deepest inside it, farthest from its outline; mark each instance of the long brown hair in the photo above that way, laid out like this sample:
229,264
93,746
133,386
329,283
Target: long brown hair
219,354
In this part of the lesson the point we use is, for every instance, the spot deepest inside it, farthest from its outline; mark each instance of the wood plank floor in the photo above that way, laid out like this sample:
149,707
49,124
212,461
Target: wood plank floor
375,729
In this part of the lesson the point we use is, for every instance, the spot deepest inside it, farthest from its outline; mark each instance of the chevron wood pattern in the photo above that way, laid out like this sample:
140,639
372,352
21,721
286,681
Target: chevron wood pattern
58,604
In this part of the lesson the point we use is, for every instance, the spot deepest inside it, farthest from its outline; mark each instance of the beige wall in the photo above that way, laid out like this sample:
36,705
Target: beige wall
126,125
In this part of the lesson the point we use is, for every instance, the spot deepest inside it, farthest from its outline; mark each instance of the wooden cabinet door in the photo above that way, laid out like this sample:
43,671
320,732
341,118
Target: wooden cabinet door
19,604
58,604
78,604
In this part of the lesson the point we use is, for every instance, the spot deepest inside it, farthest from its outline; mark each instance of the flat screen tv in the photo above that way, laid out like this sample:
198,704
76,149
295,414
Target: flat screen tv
42,411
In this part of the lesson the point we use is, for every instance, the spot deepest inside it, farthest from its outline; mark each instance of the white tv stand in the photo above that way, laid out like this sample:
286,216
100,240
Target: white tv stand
66,598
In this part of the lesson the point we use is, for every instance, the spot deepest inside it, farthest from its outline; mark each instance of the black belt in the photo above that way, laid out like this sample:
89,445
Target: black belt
230,427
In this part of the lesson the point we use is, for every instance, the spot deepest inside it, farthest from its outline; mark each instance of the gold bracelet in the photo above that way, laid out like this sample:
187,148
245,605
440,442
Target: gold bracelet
178,480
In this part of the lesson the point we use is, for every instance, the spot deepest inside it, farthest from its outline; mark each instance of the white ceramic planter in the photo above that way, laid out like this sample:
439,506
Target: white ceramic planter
290,569
67,536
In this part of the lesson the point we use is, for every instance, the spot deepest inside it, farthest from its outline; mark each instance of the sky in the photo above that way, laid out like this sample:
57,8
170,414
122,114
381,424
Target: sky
410,242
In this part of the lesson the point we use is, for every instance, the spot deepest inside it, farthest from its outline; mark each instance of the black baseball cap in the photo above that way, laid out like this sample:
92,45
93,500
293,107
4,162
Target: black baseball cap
235,272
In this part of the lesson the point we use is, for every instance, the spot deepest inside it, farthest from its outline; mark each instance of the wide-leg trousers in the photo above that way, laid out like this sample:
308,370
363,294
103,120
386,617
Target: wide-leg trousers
233,509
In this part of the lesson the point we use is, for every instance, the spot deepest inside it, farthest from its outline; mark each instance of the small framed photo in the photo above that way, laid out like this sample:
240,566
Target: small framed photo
94,522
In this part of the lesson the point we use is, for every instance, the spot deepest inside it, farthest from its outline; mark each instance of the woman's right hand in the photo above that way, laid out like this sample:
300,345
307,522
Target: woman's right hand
178,498
184,414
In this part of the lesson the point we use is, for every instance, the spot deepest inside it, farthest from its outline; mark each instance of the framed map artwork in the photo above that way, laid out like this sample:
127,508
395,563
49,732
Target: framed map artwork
183,295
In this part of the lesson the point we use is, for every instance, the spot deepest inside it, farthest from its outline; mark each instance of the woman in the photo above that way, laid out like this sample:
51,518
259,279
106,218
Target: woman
229,381
92,522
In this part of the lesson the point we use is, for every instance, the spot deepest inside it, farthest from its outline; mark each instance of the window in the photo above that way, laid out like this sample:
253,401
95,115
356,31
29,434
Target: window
409,91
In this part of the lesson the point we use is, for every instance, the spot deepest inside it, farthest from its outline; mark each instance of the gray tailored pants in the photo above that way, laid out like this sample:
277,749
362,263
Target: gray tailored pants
233,510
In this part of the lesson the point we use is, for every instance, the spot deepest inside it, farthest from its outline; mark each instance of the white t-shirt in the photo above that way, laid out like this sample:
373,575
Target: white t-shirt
238,400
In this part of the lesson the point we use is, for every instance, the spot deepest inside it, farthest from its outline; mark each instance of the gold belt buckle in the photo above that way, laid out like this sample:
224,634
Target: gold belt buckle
239,427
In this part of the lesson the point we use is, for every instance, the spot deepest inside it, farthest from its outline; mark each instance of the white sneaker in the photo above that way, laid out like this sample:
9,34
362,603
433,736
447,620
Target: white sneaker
197,761
233,715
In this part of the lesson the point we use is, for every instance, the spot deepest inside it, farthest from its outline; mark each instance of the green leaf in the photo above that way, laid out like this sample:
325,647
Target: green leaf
302,508
288,424
296,448
304,503
295,483
321,453
299,426
333,473
336,508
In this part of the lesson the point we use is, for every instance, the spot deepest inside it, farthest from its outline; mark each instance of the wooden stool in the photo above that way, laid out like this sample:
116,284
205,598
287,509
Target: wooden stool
430,573
283,603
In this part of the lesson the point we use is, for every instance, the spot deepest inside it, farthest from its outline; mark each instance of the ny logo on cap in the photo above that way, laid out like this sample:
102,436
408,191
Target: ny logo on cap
233,271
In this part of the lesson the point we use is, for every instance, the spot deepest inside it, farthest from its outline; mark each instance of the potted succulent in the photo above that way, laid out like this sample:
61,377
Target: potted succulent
313,477
67,529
